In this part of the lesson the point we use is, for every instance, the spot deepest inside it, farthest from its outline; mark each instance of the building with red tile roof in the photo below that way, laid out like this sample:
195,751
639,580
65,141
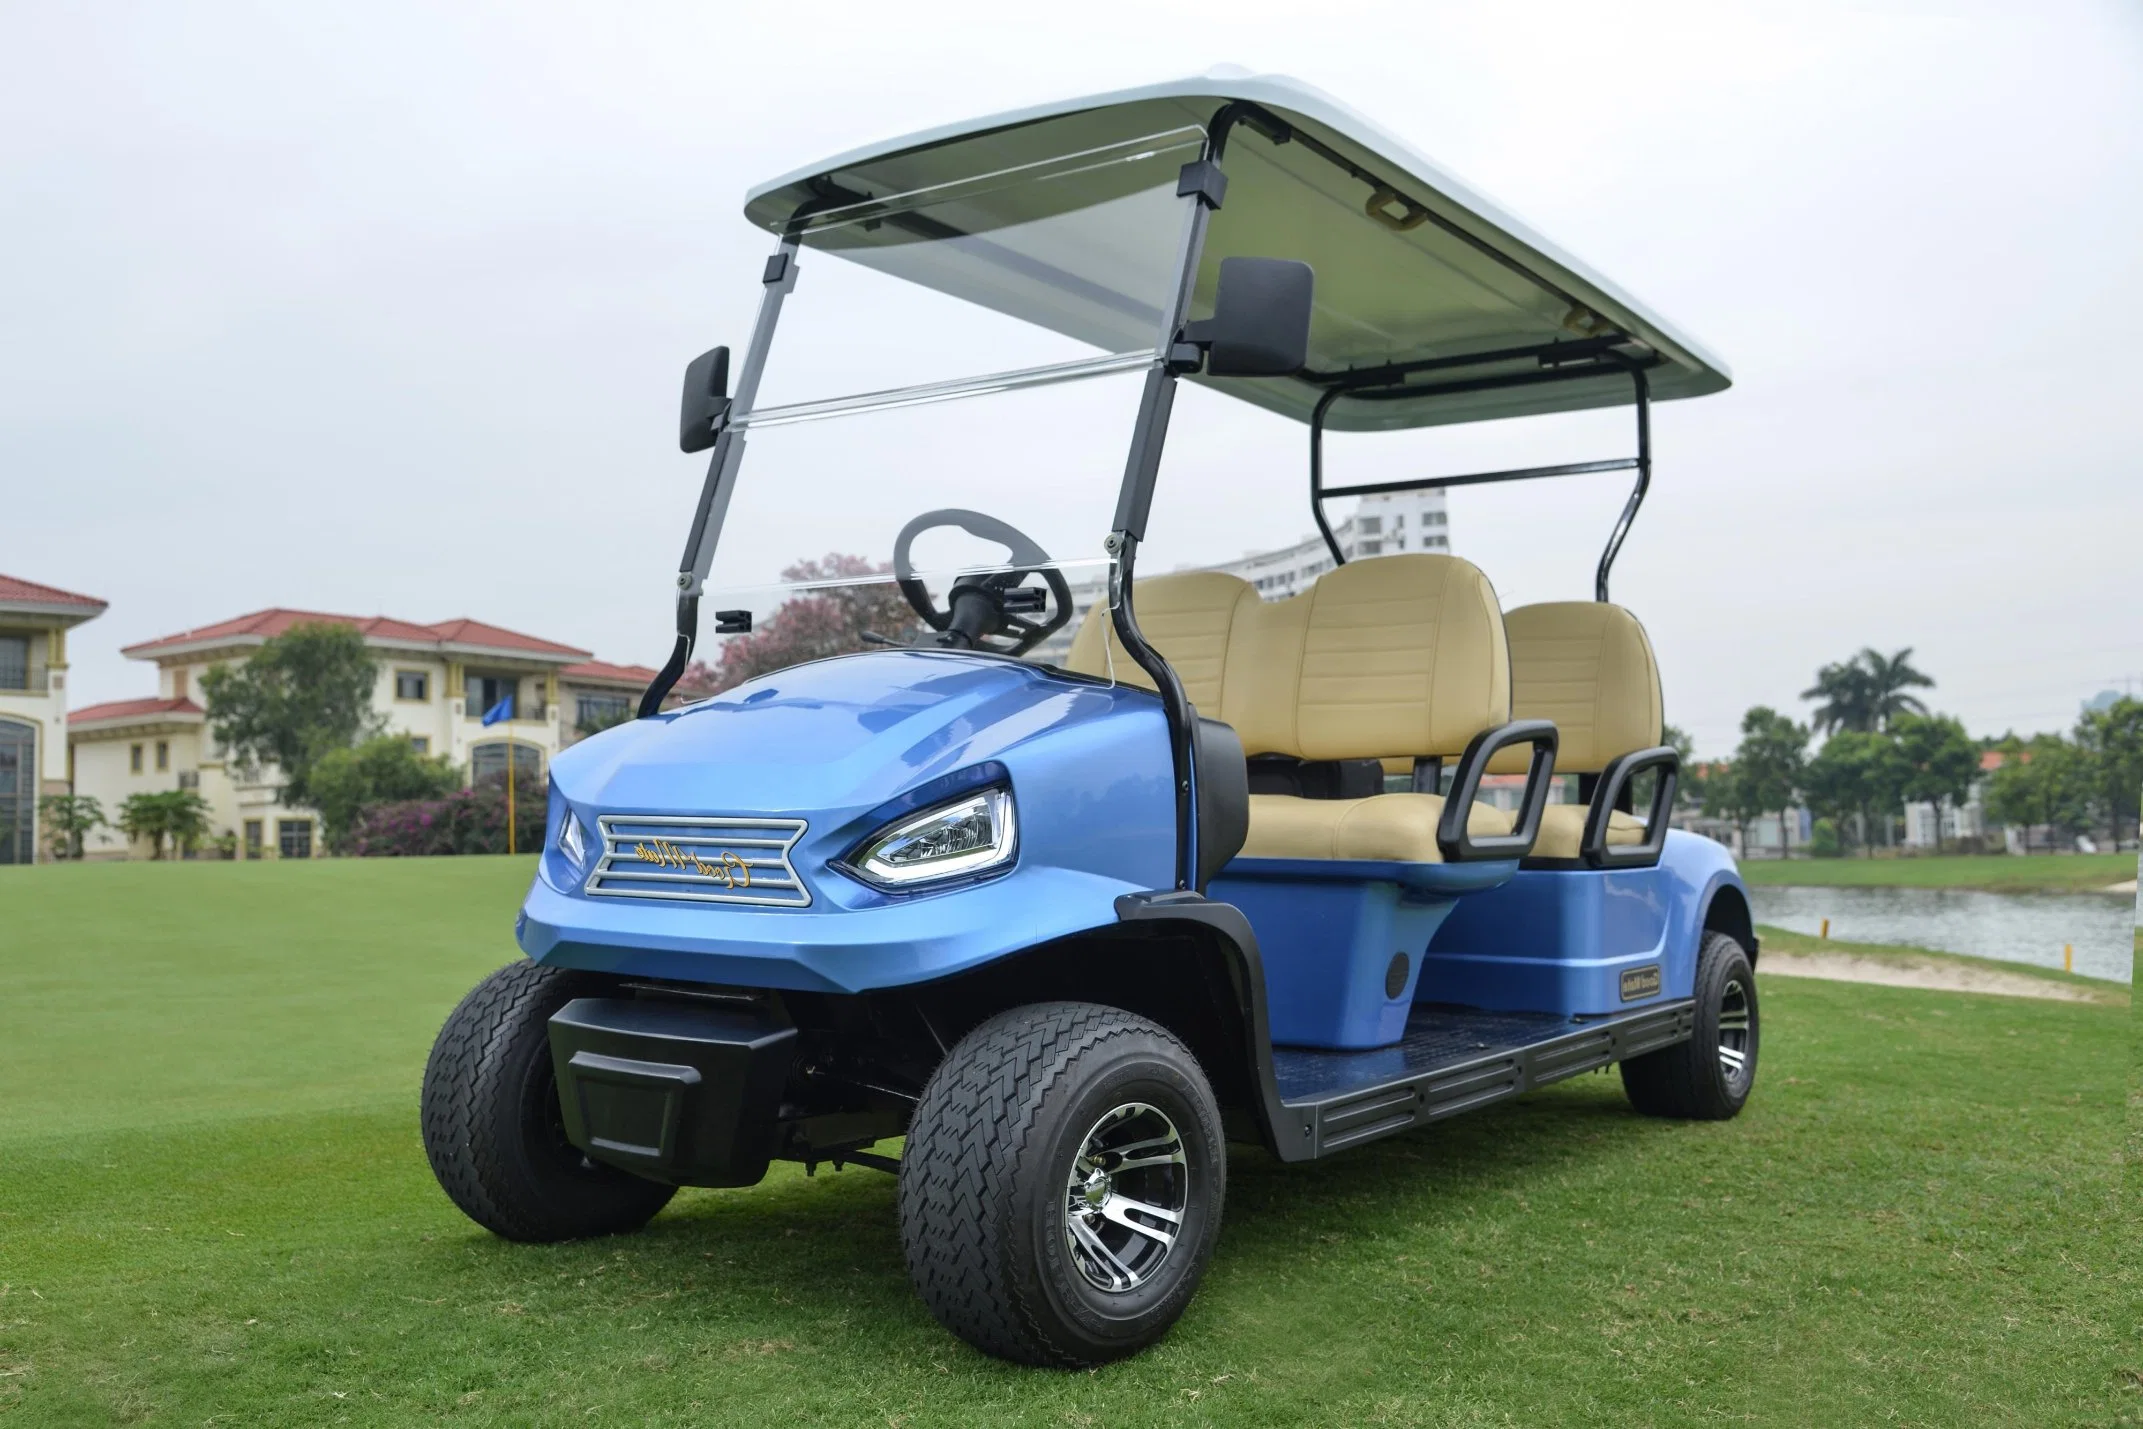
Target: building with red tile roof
437,682
34,621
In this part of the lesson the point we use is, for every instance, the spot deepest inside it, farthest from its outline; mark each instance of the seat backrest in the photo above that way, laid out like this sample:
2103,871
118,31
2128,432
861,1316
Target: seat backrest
1189,617
1588,666
1397,656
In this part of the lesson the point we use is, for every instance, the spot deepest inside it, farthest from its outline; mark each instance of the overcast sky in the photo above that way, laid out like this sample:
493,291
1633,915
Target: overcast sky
379,308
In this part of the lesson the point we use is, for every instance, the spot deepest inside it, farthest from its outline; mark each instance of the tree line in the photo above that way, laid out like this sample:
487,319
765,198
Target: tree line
1881,748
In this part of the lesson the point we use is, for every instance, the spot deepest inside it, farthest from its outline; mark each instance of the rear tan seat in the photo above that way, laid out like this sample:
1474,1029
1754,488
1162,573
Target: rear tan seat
1397,657
1587,666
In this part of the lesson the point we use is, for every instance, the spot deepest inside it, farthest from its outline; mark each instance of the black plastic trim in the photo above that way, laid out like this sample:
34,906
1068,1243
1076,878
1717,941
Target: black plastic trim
1362,1114
1286,1132
1458,843
1593,847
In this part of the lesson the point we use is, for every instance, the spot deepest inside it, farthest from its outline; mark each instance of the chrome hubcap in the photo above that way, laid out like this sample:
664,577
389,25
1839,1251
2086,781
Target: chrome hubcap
1124,1199
1736,1036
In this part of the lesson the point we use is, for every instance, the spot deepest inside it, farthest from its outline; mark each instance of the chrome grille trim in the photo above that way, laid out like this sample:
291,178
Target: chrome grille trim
759,847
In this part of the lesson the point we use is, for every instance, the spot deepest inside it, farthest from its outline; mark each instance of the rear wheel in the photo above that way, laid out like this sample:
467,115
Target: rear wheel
492,1126
1709,1077
1061,1188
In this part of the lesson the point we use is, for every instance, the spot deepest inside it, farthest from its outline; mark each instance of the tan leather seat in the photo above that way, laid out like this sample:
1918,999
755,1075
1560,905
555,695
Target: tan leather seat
1397,657
1589,667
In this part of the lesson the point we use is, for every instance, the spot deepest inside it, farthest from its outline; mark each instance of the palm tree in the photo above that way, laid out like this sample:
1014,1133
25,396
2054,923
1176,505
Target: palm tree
1848,698
1888,680
1867,692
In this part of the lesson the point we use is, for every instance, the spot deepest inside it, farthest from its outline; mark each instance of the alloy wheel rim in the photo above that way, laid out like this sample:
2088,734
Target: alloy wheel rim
1125,1197
1737,1035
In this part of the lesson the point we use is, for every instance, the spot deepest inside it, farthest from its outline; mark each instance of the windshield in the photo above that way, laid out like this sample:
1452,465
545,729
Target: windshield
941,430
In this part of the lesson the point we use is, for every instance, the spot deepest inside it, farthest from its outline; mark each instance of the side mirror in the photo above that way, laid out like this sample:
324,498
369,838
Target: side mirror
1261,319
706,400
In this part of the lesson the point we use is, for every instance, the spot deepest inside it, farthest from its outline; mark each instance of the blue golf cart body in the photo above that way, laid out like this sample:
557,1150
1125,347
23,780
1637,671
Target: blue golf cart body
1261,826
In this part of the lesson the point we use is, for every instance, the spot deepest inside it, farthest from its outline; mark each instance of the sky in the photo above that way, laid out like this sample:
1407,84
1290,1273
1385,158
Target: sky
381,308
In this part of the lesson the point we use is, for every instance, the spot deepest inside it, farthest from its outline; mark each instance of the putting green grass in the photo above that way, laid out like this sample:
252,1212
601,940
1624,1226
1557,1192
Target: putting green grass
214,1209
1997,873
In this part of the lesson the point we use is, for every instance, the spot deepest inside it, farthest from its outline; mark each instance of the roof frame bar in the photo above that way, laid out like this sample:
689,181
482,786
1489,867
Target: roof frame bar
1610,361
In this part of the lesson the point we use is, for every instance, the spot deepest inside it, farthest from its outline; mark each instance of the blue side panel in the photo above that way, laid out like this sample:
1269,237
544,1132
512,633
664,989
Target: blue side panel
845,745
1560,940
1328,931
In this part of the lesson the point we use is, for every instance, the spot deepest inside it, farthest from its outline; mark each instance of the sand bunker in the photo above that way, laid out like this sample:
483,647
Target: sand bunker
1946,977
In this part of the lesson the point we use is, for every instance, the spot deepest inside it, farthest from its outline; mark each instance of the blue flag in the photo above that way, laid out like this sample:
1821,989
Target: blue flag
502,710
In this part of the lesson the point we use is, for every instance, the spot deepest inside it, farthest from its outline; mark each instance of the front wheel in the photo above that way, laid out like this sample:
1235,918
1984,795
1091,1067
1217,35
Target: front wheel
1709,1077
1061,1188
493,1130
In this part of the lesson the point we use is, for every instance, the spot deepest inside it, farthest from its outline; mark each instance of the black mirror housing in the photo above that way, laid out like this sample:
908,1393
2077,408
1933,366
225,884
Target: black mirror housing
706,400
1261,319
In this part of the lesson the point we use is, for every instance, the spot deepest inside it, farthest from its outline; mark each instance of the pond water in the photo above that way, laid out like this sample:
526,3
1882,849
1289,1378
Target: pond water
2014,927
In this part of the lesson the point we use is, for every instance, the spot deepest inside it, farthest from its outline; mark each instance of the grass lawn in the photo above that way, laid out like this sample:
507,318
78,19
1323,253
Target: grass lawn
1997,873
214,1208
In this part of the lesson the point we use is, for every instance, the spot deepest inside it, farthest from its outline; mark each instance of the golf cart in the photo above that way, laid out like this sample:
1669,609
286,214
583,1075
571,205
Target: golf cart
1225,868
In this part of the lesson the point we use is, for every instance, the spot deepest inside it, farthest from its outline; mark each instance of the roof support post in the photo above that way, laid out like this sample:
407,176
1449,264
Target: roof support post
721,480
1134,501
1644,482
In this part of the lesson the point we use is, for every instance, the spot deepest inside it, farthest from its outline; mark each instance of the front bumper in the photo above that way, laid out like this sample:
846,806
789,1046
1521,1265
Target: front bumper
677,1093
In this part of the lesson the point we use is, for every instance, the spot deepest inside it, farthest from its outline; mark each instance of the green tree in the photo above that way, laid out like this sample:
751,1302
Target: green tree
68,819
303,693
386,769
1854,774
179,815
597,722
2048,783
1768,766
2111,740
1939,761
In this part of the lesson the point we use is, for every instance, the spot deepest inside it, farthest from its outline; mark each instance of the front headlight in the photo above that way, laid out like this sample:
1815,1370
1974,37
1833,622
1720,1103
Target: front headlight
966,836
571,843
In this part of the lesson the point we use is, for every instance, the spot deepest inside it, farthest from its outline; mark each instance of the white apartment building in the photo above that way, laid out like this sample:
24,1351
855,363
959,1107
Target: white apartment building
435,683
1381,525
34,621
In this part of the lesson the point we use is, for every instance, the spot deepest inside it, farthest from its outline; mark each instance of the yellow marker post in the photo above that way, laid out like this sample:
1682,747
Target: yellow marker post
2068,957
1826,928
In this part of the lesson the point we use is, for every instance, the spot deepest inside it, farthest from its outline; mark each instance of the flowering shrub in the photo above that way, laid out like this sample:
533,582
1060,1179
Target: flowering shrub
466,821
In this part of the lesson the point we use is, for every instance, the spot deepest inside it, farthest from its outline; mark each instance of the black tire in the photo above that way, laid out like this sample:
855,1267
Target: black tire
985,1184
492,1127
1699,1080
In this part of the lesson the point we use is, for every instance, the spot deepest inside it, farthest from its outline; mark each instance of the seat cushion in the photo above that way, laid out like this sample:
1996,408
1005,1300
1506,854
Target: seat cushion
1399,828
1562,829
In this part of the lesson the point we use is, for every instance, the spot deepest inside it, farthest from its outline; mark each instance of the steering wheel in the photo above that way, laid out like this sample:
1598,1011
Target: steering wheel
979,609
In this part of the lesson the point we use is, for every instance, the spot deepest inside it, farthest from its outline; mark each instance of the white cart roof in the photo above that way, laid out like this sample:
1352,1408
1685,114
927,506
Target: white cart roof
1438,272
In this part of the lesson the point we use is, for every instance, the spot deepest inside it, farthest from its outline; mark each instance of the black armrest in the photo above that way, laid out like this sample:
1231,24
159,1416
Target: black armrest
1460,846
1593,847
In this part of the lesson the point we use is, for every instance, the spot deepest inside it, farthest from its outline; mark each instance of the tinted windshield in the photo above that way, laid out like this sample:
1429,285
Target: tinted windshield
902,394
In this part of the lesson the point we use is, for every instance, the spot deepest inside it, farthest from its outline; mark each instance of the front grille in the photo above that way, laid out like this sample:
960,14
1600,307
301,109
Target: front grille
699,860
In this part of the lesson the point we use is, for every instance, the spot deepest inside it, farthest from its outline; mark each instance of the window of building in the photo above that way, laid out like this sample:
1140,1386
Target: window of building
413,685
163,755
253,830
600,711
189,779
485,692
420,744
1372,548
14,662
488,761
294,837
1434,518
1398,522
133,757
1372,525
